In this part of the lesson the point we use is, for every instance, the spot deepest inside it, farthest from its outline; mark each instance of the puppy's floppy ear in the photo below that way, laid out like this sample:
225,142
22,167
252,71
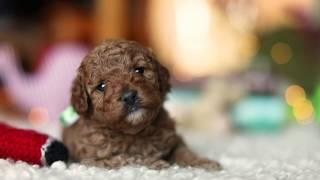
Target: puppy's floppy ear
163,74
164,77
79,95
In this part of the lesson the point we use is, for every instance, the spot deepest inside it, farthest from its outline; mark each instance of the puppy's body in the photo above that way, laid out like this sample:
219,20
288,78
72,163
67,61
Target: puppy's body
114,149
119,93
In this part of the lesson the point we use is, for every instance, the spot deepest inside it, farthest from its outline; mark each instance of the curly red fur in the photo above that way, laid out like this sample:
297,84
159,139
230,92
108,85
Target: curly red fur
107,135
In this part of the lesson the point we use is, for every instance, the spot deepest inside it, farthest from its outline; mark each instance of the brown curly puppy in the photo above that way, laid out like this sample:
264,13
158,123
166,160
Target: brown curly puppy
119,93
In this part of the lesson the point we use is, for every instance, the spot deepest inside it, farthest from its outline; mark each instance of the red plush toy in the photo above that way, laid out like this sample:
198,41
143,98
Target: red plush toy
30,146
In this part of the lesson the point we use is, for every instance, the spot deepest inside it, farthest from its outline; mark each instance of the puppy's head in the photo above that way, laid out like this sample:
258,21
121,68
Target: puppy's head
121,86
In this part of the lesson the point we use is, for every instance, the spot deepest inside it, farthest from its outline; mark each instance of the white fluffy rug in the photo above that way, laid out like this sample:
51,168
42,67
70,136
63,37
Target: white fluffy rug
294,154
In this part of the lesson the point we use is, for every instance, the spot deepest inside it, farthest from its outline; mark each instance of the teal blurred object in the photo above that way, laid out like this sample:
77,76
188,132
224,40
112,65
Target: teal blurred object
185,96
260,113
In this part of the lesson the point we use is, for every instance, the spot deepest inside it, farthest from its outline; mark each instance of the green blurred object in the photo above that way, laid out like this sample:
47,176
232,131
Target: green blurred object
69,116
316,103
260,113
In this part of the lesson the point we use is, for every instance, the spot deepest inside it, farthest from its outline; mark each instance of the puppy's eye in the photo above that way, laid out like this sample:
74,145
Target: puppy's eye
139,70
101,87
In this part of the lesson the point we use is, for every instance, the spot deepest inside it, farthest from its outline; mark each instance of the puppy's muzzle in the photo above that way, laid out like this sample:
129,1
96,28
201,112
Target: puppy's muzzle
131,100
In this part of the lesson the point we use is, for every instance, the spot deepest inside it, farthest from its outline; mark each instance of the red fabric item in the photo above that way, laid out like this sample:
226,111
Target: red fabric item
19,144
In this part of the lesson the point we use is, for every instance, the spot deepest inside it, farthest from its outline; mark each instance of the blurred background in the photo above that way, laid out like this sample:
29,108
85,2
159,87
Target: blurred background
236,65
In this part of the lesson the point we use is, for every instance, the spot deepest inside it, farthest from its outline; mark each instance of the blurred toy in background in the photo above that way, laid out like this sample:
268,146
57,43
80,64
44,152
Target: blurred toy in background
263,108
46,93
247,101
30,146
206,109
39,56
260,113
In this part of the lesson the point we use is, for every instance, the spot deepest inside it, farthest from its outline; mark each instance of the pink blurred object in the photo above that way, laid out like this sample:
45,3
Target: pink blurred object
49,88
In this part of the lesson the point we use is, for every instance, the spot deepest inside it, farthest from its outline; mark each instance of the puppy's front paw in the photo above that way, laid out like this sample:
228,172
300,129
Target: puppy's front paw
207,164
93,162
160,164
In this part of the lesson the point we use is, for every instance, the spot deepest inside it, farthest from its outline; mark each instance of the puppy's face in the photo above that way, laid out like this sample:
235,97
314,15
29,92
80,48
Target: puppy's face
120,86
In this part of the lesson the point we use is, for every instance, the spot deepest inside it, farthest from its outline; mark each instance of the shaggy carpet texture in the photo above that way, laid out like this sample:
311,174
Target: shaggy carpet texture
293,154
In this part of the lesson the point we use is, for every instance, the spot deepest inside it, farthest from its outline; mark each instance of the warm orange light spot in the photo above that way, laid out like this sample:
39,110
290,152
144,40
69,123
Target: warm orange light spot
294,93
281,53
303,111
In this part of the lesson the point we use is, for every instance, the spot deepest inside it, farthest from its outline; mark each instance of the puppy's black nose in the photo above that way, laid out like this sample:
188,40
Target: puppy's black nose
130,97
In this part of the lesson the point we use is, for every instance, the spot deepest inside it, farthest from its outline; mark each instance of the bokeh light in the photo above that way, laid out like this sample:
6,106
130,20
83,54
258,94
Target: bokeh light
294,93
302,108
281,53
303,111
198,39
